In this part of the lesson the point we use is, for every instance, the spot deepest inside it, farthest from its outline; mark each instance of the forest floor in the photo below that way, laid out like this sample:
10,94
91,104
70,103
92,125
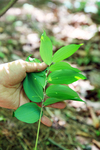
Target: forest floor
77,127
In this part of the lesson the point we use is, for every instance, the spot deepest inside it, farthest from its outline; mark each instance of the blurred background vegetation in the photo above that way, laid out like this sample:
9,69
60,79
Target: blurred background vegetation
77,127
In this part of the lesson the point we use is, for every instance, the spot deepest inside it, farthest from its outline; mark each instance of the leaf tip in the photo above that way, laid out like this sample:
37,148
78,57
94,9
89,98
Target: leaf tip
28,58
82,101
85,102
43,34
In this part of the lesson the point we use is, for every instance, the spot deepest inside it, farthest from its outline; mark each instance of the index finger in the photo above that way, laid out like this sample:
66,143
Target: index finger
35,67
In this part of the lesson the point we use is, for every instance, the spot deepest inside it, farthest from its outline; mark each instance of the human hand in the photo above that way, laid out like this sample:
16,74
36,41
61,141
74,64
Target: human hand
12,94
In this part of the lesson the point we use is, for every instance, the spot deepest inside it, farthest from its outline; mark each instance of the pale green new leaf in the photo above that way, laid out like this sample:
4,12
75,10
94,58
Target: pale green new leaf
65,52
29,113
62,65
46,49
64,76
62,92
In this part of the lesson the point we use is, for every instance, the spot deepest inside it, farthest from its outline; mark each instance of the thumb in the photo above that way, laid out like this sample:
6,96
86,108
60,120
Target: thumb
35,67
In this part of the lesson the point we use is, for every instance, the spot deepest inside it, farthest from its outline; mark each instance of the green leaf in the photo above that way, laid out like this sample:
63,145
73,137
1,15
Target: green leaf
2,55
52,101
29,59
29,113
65,52
62,65
64,76
41,77
35,60
46,49
62,92
33,88
34,82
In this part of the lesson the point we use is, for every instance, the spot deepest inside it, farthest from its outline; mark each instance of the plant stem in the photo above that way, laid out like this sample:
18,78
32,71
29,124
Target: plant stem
10,4
40,116
38,128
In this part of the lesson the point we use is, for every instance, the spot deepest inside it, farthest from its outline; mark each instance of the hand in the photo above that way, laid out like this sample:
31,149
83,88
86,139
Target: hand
12,94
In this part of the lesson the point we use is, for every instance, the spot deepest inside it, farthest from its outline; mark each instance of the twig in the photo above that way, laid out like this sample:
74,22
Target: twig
10,4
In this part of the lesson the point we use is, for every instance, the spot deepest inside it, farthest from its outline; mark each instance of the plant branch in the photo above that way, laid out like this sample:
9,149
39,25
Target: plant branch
38,128
41,113
10,4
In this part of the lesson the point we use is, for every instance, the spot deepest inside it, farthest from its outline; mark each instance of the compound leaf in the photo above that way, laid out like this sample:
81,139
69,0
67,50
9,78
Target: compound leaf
64,76
62,92
46,49
65,52
29,113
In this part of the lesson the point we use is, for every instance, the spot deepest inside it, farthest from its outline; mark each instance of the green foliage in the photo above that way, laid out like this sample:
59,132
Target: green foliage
33,88
62,92
51,100
27,59
26,112
98,6
65,52
10,18
64,76
35,83
97,132
2,55
46,49
62,65
61,73
76,6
